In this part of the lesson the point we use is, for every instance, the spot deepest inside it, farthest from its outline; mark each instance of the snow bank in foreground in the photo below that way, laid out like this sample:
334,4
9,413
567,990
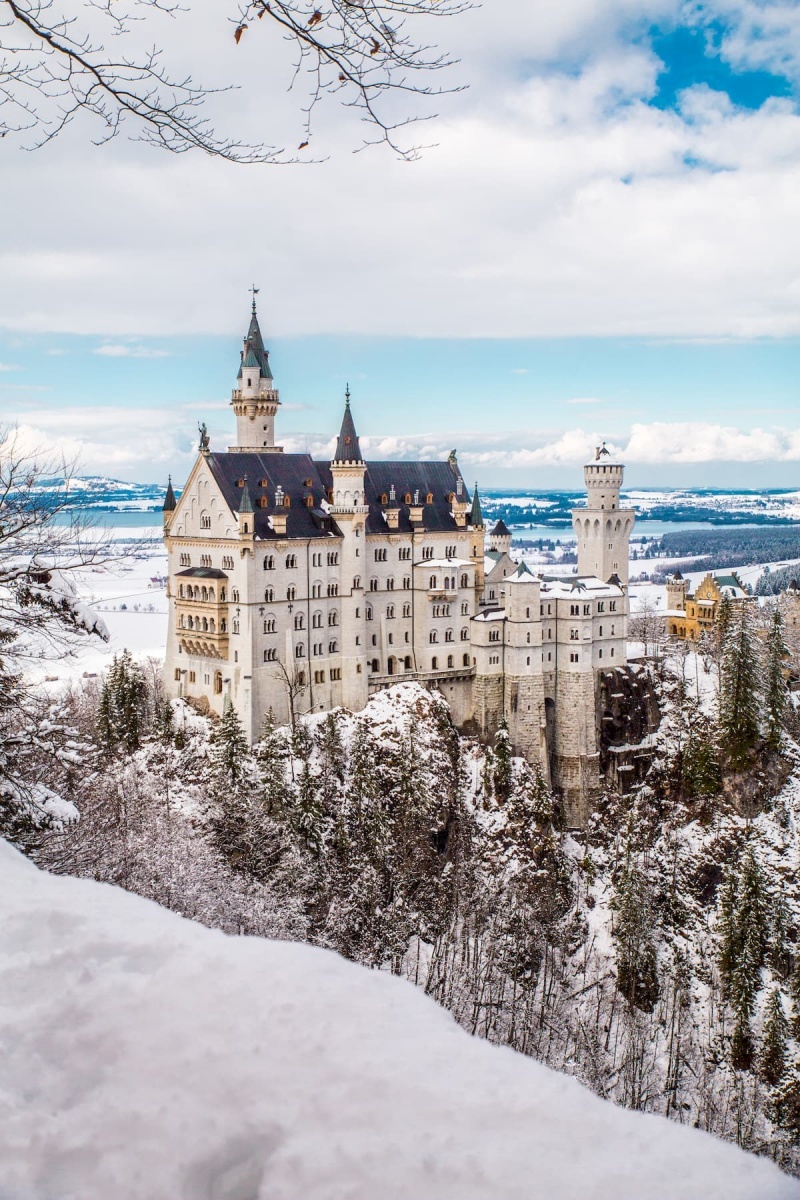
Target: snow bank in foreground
146,1057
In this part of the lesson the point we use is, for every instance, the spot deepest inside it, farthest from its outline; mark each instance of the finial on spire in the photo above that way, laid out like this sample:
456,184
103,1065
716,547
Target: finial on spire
255,292
347,394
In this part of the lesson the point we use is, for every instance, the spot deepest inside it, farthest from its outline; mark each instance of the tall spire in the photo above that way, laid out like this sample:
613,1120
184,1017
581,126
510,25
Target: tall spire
347,447
476,516
169,499
246,505
254,356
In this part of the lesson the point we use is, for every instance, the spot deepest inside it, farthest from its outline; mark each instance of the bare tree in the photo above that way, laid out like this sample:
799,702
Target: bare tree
40,615
55,65
295,684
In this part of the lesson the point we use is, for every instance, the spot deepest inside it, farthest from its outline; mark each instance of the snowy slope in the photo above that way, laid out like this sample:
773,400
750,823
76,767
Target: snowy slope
147,1058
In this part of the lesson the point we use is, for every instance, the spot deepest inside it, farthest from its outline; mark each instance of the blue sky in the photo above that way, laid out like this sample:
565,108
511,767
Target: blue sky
601,242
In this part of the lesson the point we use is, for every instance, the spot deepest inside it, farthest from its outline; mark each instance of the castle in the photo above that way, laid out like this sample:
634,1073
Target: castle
297,586
689,614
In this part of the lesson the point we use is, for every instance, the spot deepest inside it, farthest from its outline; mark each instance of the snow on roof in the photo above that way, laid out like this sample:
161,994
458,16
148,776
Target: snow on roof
491,614
147,1056
577,587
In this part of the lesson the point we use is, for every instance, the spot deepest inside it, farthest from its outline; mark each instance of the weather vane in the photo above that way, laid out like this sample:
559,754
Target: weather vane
255,292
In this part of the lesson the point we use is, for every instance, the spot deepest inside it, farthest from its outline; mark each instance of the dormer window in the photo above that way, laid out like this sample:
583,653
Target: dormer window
429,498
347,439
287,500
309,501
407,498
384,498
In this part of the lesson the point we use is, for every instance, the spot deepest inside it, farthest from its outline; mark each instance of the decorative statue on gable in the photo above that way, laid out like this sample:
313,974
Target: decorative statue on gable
205,442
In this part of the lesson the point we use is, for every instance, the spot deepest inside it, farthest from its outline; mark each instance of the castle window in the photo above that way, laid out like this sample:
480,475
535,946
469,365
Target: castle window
464,608
235,596
356,582
612,630
217,683
235,626
600,653
406,610
333,558
494,635
528,638
587,610
336,672
223,626
448,637
375,665
380,555
390,612
205,559
269,563
287,501
269,595
574,610
464,635
573,657
528,614
466,660
432,583
407,498
369,612
390,584
404,553
291,592
612,606
601,606
450,660
192,677
406,583
407,662
316,620
316,591
574,635
205,521
269,625
299,621
333,589
291,561
434,664
299,650
429,498
373,585
612,651
333,647
333,618
177,674
433,636
185,560
464,581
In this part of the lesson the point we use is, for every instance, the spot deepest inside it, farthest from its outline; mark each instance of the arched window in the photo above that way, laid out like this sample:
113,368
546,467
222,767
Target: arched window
333,589
373,585
300,650
316,620
494,635
235,596
333,617
299,621
450,660
389,612
269,595
333,647
406,583
464,635
356,583
390,583
271,654
291,560
205,521
375,665
448,637
406,610
291,592
465,581
218,683
368,612
434,664
432,583
433,636
466,660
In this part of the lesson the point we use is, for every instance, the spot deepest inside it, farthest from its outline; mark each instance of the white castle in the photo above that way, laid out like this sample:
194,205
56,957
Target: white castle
297,586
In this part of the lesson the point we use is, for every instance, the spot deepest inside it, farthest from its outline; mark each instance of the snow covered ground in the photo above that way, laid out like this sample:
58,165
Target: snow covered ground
148,1058
132,603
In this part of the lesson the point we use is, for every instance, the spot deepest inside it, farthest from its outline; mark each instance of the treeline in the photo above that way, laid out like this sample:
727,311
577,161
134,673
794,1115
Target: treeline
731,547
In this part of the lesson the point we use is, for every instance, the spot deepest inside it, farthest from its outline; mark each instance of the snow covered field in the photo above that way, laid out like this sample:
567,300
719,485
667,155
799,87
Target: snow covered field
147,1058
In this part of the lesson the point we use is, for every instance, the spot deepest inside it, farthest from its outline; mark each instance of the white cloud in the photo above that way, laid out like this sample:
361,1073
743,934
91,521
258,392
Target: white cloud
112,350
9,367
585,400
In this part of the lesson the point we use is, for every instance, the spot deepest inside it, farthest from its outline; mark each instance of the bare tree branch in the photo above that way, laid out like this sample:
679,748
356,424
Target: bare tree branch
362,51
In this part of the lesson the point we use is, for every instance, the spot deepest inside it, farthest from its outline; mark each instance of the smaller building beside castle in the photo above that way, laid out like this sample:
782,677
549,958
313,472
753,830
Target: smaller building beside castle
690,614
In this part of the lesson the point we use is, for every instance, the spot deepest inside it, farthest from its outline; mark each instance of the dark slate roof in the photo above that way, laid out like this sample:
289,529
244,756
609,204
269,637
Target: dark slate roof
267,472
347,447
439,479
169,499
501,529
203,573
254,355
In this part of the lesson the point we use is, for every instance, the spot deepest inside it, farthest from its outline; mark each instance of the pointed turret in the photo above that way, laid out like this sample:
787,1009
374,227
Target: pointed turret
246,505
476,516
347,447
169,500
255,399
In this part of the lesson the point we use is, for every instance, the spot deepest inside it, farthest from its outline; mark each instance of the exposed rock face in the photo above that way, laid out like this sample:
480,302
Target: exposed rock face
627,716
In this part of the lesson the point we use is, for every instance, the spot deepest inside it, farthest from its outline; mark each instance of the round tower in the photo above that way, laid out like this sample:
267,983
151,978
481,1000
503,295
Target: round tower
603,529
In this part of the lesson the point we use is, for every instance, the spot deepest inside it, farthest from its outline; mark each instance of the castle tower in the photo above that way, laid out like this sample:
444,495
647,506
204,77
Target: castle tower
350,510
500,538
255,400
677,589
603,529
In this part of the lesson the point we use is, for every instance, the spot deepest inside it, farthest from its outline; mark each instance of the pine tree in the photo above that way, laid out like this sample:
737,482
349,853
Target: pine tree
779,957
271,755
502,762
772,1060
743,928
229,751
784,1109
739,693
122,710
775,696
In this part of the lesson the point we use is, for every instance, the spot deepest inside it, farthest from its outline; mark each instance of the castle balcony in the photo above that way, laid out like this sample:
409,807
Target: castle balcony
201,644
267,396
448,594
202,623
